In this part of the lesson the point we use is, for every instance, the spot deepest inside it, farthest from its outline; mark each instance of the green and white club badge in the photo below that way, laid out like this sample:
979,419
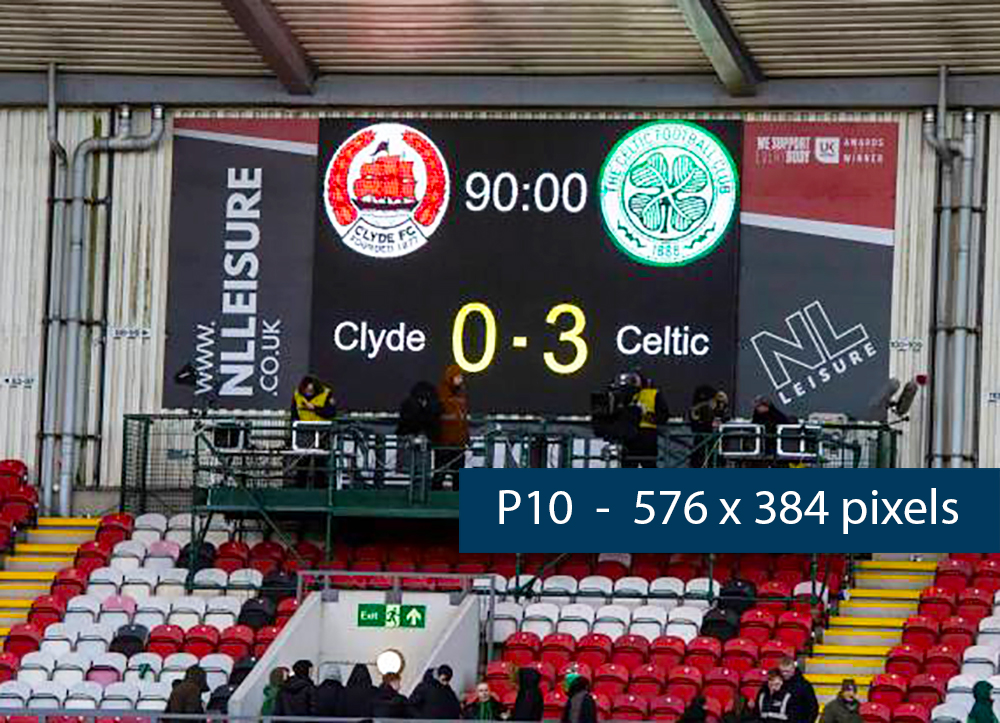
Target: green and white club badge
669,191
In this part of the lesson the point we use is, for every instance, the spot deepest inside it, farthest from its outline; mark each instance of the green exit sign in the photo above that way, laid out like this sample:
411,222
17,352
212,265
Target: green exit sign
378,615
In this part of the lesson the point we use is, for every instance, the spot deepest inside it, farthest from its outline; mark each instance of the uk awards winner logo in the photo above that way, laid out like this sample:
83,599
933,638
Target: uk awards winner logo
669,192
386,190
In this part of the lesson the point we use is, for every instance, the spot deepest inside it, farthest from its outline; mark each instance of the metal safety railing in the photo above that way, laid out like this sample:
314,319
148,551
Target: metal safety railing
167,455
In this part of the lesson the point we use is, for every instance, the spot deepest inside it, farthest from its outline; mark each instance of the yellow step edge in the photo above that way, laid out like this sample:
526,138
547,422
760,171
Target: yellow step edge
11,604
880,605
39,559
838,621
896,565
862,632
4,632
891,577
56,533
86,522
44,548
866,594
835,680
870,651
864,663
44,575
41,588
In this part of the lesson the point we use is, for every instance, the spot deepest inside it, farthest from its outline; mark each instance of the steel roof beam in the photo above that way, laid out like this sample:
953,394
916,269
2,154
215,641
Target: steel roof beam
733,63
274,40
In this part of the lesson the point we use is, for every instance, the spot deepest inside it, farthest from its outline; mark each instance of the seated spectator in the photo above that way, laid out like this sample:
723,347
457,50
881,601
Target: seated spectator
485,706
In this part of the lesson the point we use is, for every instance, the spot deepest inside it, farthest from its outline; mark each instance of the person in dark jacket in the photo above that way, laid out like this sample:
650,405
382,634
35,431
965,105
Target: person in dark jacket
388,703
420,413
580,706
530,703
802,706
297,695
845,708
770,417
434,698
709,410
744,711
185,698
982,709
485,706
329,694
356,699
773,701
275,681
695,712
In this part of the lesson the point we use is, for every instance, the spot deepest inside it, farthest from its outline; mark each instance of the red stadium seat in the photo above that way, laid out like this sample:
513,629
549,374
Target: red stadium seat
236,641
943,661
647,681
773,651
758,576
791,561
47,609
555,702
667,708
611,679
232,556
757,625
9,664
604,706
987,576
201,640
774,589
722,684
165,640
740,654
958,632
875,712
629,707
751,683
953,574
684,566
905,660
937,603
593,649
713,711
888,689
115,528
975,604
647,565
14,467
581,669
500,676
613,569
921,631
684,681
972,557
263,639
795,629
91,555
522,648
911,713
558,649
927,690
22,639
630,651
667,652
704,653
69,582
286,609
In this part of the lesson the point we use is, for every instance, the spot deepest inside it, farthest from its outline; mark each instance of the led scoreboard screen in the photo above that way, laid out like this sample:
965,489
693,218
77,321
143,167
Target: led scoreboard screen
543,257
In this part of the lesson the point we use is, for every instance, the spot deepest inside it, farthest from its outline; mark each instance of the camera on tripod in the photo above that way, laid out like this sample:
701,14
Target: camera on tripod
613,413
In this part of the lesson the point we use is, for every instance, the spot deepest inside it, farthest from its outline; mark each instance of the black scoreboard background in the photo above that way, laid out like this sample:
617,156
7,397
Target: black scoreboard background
520,264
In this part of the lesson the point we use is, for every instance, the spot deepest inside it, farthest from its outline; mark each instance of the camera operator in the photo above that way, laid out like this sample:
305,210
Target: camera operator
641,448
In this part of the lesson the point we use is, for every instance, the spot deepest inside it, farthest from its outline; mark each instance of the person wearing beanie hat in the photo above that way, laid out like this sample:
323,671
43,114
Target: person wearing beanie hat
329,694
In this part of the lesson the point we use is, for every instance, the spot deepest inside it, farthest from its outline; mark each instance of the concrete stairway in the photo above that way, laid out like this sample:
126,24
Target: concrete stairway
28,572
870,622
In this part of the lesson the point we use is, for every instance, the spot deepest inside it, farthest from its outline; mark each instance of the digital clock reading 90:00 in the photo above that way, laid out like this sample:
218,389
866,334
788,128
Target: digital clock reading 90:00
547,193
571,336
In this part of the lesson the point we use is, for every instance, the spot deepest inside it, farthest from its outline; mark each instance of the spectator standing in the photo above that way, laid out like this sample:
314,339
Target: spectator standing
185,698
580,706
358,695
329,694
434,698
695,712
275,681
453,435
802,705
297,694
388,702
530,703
845,708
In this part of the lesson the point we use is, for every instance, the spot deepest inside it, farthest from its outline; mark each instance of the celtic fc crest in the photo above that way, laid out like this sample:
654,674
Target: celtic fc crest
669,191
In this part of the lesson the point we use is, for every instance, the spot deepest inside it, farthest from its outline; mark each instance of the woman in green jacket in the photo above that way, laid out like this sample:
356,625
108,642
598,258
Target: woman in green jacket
982,709
277,679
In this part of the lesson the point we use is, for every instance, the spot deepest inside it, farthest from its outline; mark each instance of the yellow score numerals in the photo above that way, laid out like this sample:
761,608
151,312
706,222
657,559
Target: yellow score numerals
570,336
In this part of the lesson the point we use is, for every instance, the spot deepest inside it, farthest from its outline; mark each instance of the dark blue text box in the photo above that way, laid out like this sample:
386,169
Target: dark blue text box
943,510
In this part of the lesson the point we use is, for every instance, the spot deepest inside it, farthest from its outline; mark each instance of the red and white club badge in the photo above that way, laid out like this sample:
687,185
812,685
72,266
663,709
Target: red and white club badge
386,190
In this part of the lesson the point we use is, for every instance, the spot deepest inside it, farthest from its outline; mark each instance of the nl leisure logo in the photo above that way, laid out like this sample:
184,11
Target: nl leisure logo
386,190
669,192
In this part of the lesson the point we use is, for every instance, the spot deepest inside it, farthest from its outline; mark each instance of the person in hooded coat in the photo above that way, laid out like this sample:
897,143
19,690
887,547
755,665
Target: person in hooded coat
770,417
453,434
845,708
580,705
418,698
357,697
329,694
185,698
530,703
388,703
434,698
297,695
275,681
982,709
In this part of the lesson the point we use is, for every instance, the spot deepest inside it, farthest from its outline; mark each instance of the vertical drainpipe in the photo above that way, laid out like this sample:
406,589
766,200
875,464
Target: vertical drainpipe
961,317
57,250
937,138
123,142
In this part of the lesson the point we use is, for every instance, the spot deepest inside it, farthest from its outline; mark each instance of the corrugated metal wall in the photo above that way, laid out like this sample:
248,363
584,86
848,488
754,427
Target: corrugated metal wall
137,272
989,430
